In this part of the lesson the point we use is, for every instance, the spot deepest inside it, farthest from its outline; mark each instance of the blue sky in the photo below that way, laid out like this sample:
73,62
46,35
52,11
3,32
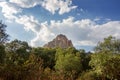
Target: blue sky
85,22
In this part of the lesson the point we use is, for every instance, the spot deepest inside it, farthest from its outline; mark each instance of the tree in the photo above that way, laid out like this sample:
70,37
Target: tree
17,46
31,69
88,75
98,60
47,55
67,61
106,65
103,62
110,44
3,34
17,51
85,61
2,53
111,68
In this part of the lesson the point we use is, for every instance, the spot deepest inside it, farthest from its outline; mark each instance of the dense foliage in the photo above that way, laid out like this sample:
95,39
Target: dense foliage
19,61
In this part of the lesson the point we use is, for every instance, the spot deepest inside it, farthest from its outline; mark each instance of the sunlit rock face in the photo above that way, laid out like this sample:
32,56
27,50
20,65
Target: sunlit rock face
60,41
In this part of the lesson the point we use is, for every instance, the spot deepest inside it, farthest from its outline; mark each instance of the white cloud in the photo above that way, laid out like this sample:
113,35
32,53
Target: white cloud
26,3
12,7
74,30
64,7
43,34
104,30
51,5
82,32
42,37
58,5
9,10
29,22
85,43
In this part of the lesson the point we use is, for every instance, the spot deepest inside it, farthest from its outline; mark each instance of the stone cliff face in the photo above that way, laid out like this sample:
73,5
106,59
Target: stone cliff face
60,41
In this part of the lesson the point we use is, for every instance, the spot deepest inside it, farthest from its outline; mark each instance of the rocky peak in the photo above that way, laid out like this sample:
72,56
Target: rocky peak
60,41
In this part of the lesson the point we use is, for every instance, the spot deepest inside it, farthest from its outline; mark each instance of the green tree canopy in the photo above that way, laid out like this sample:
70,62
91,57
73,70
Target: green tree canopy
68,60
17,51
17,46
111,68
47,55
109,44
98,60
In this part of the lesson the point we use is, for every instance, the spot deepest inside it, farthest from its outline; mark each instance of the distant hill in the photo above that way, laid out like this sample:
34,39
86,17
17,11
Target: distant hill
60,41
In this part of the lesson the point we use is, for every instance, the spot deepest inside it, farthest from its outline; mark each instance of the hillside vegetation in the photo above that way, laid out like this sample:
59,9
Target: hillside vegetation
19,61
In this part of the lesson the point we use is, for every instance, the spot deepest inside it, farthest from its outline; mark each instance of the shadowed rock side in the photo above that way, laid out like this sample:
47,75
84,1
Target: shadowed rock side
60,41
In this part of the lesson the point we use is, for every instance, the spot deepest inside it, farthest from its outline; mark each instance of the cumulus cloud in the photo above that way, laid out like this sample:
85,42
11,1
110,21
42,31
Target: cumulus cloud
42,37
9,10
29,22
58,5
12,8
101,31
62,6
43,34
83,32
